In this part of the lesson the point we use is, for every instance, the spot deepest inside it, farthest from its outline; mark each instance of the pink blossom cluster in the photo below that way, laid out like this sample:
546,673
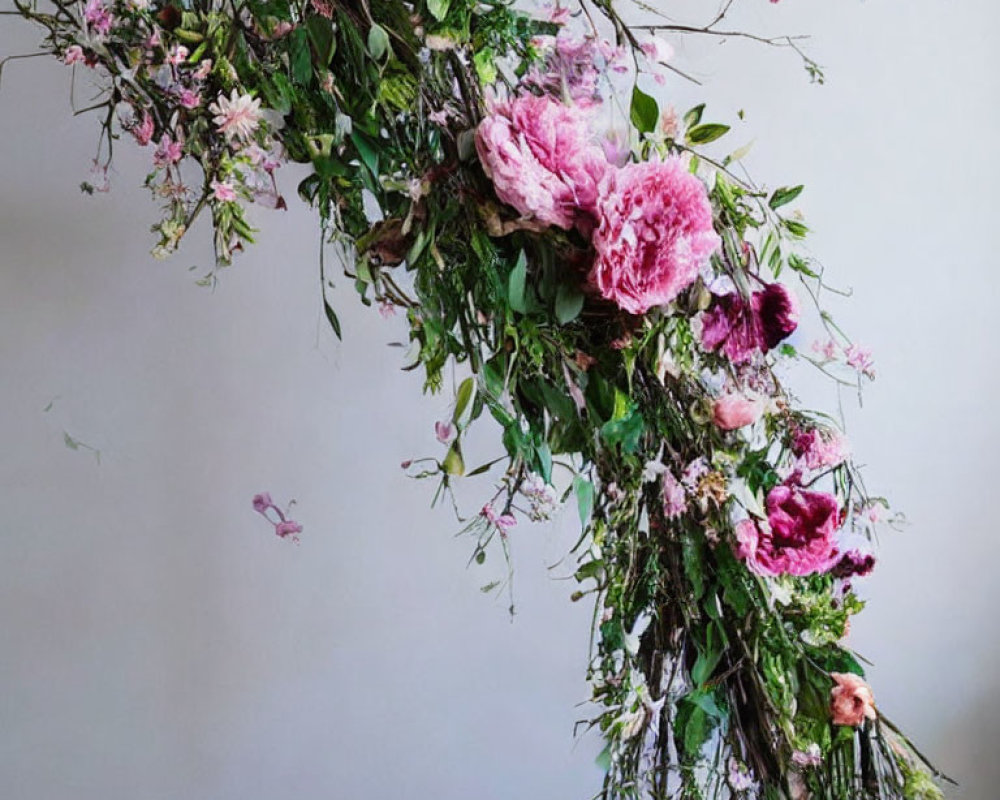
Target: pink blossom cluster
574,66
818,448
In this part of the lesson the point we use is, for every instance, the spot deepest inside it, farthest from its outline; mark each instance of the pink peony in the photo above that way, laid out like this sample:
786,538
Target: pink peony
818,448
654,234
799,536
732,411
851,700
542,159
741,329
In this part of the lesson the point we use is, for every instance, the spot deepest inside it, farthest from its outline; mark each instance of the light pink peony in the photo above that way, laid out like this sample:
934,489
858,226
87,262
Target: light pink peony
542,159
851,700
654,234
732,411
799,538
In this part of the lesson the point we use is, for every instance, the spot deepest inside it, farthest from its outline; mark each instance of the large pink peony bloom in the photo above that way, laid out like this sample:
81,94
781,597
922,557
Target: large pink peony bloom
542,158
851,700
740,329
654,234
799,538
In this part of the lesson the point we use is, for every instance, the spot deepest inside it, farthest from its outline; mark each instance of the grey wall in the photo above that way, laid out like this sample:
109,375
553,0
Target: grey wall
159,642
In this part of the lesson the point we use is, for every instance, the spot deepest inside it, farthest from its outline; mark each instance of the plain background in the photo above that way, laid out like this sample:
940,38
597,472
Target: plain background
157,641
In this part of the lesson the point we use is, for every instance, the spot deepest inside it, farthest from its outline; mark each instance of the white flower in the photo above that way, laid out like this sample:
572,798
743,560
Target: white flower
236,117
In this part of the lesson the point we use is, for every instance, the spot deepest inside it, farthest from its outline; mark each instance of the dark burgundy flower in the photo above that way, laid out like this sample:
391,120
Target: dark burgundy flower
777,312
854,564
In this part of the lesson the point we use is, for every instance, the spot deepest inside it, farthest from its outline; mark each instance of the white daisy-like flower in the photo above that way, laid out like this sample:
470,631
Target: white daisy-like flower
237,116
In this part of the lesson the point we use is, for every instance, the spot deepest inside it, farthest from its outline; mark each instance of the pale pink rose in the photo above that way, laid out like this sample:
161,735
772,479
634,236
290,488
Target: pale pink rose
73,54
542,159
851,700
653,236
732,411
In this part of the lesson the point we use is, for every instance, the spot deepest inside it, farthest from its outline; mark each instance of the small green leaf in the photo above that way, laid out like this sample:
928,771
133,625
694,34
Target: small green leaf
794,227
784,196
453,463
709,132
569,303
584,491
644,113
378,42
486,68
545,461
466,392
332,318
693,116
516,286
300,57
603,759
438,8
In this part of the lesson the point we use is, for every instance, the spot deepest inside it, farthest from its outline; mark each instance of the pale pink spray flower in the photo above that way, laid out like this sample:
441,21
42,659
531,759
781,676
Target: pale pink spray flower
653,236
167,152
284,527
223,191
73,54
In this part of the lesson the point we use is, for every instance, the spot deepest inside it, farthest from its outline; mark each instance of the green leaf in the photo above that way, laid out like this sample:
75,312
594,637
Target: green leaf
603,759
516,285
453,462
693,116
321,35
378,42
584,491
796,228
299,57
545,461
368,154
486,68
625,431
331,317
438,8
645,114
784,196
709,132
569,303
466,392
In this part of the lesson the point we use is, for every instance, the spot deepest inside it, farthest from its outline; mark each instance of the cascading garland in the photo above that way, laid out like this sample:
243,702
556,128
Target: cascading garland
613,293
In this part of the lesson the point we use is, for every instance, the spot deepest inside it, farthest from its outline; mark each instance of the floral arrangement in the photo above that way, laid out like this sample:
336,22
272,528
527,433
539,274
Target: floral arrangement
619,302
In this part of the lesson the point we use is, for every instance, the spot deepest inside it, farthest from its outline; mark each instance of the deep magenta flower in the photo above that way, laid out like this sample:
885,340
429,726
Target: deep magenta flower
542,158
854,564
654,234
799,538
740,329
